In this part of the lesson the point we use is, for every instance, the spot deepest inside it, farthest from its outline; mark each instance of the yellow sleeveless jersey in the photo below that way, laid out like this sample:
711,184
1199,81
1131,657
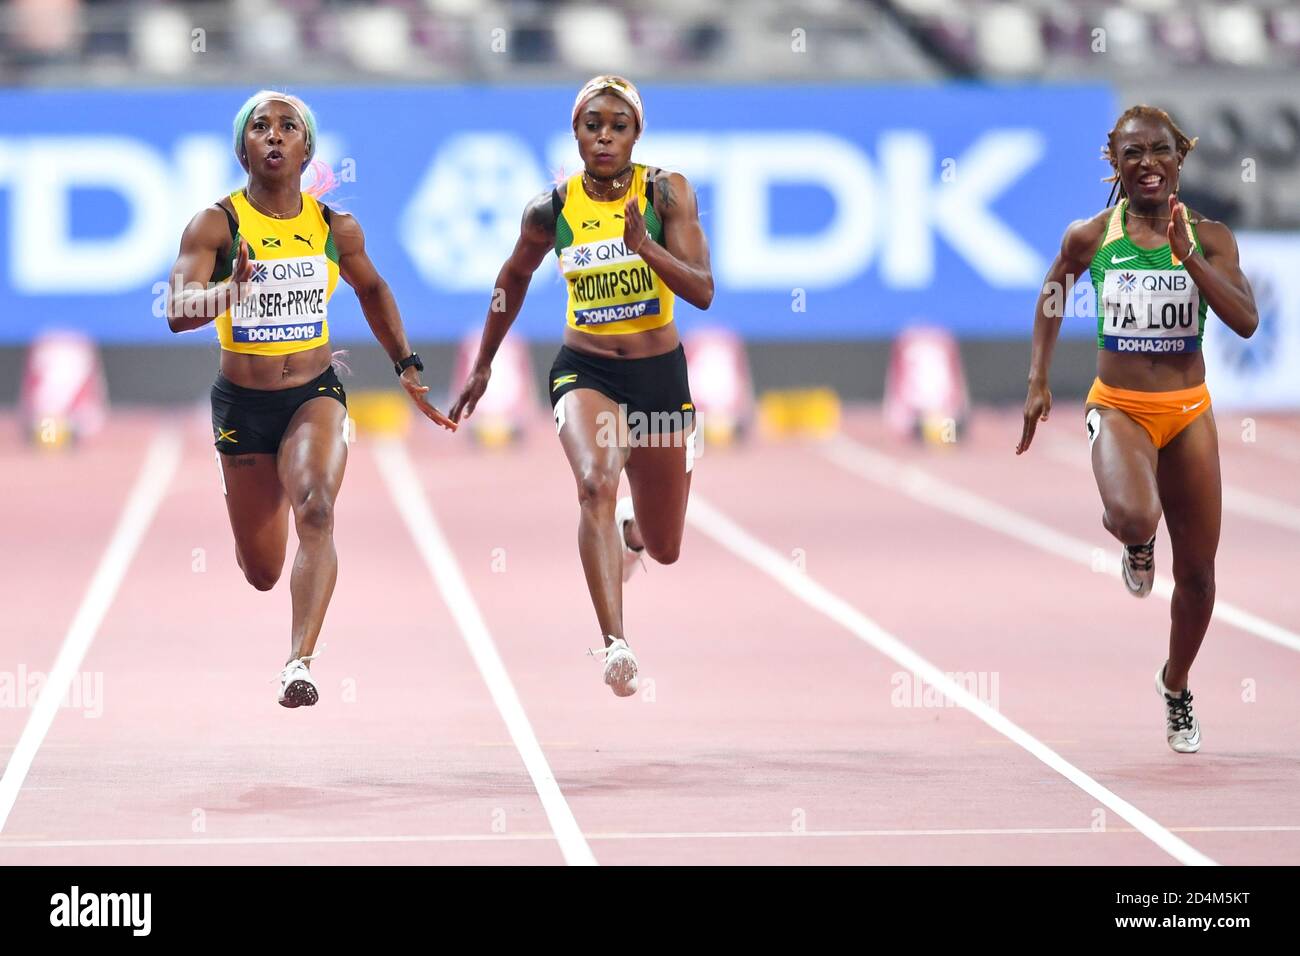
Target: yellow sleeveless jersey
612,291
295,270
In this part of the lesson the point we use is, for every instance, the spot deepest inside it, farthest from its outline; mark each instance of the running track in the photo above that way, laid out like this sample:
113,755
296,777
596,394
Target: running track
460,721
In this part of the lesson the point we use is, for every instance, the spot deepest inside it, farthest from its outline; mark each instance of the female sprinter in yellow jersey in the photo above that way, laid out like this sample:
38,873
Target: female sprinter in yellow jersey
263,262
1156,266
628,240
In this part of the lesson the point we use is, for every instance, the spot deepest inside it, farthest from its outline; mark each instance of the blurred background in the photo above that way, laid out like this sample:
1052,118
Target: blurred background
863,166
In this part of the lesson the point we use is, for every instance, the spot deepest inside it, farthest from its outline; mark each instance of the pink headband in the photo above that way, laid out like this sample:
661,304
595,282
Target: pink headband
616,85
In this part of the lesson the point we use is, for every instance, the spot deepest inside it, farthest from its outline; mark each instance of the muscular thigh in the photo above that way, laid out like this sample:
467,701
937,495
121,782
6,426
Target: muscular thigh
313,452
257,507
661,486
1124,462
1191,490
588,425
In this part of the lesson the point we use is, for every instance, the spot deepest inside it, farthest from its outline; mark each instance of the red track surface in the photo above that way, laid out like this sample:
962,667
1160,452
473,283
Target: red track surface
759,717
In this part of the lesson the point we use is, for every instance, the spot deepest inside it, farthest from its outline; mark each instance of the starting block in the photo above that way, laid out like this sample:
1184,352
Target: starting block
800,413
380,412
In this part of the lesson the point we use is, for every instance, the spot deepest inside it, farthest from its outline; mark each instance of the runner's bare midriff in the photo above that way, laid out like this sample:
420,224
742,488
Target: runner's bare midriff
268,372
629,346
1139,373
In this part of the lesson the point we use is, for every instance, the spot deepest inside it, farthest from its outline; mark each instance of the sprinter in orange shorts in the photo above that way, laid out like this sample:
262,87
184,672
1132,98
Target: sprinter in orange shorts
1156,266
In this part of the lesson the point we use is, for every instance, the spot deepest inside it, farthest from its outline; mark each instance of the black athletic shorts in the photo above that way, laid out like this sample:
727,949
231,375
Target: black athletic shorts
654,389
246,421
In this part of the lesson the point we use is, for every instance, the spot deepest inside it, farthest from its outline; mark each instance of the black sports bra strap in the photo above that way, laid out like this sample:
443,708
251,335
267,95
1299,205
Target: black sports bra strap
231,221
325,211
649,190
556,203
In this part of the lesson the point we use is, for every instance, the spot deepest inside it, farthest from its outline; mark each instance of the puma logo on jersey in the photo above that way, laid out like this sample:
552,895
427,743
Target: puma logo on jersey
301,239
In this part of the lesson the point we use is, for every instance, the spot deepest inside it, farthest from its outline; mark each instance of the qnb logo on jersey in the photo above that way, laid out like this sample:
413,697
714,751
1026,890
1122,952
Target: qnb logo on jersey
1166,282
602,252
128,910
288,269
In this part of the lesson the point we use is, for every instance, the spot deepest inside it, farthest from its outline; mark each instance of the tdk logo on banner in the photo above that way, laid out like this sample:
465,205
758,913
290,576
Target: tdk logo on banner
879,203
889,213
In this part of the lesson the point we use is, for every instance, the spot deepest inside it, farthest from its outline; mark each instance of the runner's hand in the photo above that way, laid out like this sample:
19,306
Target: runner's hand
411,382
1038,403
242,274
635,233
1176,231
475,386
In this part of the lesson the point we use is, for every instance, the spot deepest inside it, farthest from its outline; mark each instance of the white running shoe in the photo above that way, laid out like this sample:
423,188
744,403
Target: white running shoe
297,689
631,556
1182,729
1139,567
620,667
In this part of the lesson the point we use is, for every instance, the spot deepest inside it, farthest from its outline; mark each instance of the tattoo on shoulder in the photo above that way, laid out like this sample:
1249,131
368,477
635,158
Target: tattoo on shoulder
664,182
540,215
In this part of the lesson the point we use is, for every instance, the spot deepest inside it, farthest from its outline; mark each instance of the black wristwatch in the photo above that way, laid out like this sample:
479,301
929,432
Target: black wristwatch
404,364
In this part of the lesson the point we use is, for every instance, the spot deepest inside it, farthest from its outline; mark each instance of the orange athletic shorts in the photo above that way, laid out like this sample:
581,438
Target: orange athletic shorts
1162,414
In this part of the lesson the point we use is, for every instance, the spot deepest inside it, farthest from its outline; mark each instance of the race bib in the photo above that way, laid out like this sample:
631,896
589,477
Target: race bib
608,282
287,302
1150,310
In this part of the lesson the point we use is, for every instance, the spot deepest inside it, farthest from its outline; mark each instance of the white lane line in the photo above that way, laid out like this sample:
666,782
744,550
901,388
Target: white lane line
921,486
1239,501
412,503
160,463
741,543
19,844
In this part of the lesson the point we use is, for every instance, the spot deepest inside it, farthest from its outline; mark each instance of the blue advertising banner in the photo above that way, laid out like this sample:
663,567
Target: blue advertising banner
831,212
